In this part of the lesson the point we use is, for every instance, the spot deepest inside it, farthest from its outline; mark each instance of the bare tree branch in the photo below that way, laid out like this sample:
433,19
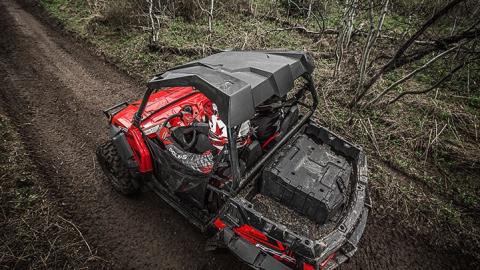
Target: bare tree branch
400,52
153,36
346,33
410,75
372,38
209,13
437,84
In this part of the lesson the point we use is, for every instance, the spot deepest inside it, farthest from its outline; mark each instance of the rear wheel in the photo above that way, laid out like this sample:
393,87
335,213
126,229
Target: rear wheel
115,170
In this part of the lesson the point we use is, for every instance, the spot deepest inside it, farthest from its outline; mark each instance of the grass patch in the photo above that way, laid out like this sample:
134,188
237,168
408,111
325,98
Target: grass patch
72,13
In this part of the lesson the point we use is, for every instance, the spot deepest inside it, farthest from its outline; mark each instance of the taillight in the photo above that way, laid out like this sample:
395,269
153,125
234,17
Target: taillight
307,266
327,260
219,224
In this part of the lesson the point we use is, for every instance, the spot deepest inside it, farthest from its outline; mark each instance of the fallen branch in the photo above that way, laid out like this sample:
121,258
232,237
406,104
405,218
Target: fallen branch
371,136
375,143
438,133
79,232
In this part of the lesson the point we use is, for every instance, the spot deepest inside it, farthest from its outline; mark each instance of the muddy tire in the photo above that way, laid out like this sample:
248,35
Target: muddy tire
115,170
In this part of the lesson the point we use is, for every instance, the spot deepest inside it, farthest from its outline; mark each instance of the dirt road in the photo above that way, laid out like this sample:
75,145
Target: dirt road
54,90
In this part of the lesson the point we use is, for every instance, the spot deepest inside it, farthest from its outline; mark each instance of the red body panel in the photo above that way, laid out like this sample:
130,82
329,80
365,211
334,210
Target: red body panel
259,239
140,150
160,105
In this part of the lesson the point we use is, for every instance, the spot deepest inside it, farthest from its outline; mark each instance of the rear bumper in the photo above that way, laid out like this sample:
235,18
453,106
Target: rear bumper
257,258
250,254
348,249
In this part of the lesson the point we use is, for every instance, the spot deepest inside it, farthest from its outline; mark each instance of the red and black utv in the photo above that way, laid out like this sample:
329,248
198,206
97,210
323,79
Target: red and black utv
228,141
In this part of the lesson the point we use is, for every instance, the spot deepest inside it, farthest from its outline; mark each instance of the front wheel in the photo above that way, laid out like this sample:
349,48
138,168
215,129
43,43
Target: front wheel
115,170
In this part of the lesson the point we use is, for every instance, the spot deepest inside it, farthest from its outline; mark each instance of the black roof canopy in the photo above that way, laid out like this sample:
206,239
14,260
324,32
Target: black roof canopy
238,81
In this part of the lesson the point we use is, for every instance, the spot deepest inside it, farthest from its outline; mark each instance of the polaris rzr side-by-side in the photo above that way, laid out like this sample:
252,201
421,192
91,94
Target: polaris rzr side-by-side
228,141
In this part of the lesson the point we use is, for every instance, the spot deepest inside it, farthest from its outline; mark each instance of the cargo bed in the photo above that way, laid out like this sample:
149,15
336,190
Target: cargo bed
310,195
298,223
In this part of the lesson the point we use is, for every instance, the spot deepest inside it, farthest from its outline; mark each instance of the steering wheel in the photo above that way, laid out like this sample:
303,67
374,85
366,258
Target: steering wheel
178,134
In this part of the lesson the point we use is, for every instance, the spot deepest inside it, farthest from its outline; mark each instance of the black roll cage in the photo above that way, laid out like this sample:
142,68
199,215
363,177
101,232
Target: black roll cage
240,181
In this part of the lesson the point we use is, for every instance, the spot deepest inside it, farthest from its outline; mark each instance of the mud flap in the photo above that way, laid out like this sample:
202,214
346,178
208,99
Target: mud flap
249,253
126,153
124,150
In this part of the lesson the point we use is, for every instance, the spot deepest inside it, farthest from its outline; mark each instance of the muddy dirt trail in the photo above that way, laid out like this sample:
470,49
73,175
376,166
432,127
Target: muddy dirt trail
54,90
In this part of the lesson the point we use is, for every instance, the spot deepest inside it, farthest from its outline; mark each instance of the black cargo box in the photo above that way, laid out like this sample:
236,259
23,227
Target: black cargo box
309,178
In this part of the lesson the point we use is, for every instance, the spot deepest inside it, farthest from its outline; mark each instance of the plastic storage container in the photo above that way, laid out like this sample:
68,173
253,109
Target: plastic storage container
309,178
